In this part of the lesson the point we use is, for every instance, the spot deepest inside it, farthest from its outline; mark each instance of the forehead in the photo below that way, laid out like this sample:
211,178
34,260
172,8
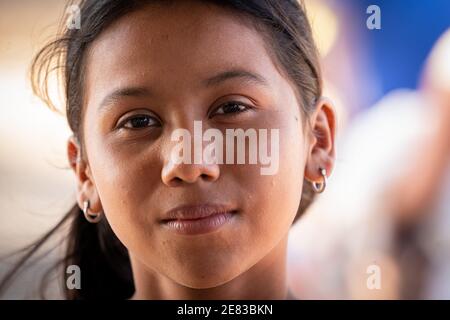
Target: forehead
174,43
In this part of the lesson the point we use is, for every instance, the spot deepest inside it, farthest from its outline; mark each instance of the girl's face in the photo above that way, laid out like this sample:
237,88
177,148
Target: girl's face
146,75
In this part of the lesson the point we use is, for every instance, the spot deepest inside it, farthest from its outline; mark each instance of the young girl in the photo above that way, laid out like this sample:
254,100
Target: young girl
145,226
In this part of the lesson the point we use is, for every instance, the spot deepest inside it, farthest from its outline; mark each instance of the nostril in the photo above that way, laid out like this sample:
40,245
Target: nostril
177,180
176,175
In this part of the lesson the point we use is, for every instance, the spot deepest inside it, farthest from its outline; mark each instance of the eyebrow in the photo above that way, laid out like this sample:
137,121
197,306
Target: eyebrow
233,74
215,80
124,92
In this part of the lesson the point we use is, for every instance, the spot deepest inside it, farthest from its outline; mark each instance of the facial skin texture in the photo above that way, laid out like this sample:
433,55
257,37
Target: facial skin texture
168,52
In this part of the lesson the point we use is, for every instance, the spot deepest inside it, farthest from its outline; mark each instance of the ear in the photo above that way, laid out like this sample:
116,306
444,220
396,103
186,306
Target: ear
86,189
321,137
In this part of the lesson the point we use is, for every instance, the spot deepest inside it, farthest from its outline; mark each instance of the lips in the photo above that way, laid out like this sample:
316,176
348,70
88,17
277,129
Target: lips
197,211
198,219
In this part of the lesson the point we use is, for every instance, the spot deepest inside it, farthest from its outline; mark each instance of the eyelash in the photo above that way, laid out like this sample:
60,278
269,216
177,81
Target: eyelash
247,108
140,116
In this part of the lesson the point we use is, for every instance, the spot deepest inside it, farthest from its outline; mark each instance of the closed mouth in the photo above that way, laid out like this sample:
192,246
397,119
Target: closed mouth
195,212
198,219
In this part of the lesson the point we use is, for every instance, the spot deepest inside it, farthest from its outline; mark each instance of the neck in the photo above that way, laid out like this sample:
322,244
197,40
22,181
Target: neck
266,280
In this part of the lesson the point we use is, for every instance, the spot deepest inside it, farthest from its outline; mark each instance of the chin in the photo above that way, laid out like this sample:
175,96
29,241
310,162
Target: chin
205,276
203,281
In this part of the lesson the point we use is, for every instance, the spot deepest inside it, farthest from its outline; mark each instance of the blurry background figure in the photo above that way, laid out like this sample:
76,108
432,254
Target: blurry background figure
386,211
419,197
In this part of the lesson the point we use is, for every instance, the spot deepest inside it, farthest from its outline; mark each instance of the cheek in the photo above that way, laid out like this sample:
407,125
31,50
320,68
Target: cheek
272,201
125,177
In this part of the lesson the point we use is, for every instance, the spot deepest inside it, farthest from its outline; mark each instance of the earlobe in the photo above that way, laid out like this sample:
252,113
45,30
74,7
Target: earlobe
321,155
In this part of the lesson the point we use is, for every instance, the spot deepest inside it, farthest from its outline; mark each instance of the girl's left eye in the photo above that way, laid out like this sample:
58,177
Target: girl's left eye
232,107
139,121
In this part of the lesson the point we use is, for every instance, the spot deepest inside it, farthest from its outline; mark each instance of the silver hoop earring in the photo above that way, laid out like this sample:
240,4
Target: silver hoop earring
319,187
91,217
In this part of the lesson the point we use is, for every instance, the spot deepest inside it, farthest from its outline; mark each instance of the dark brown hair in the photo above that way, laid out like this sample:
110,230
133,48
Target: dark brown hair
104,261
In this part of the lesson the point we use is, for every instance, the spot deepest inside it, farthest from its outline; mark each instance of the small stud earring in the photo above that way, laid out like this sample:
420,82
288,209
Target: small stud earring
91,217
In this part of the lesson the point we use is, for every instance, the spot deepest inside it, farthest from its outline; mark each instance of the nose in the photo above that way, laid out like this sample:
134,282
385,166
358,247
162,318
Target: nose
175,174
195,164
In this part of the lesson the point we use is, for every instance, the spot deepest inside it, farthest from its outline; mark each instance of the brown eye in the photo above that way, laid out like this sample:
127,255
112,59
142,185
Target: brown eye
232,107
139,122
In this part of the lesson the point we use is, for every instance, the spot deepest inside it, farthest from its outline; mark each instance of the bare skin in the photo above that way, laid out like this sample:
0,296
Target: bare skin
125,172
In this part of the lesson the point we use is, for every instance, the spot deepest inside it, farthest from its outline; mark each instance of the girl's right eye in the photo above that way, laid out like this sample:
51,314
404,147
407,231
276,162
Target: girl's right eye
139,121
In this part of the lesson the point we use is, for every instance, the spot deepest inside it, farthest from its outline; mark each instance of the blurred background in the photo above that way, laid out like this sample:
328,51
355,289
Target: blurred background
379,231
